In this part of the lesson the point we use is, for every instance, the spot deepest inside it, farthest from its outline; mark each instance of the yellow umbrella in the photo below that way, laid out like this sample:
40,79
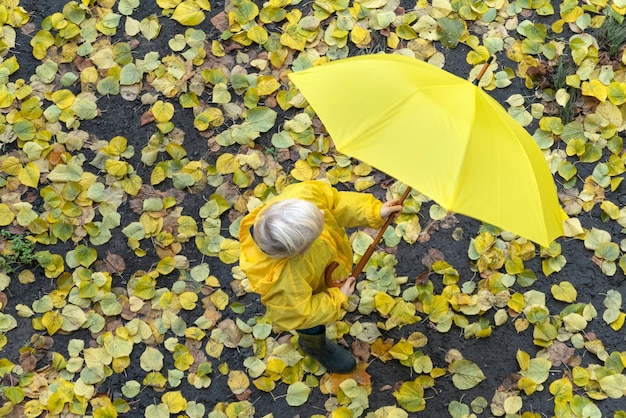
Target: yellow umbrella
439,134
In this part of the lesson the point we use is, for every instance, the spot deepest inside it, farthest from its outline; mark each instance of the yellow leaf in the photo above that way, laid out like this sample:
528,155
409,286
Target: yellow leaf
259,35
564,291
220,299
63,98
562,390
512,404
53,321
384,303
527,385
572,227
402,350
523,359
157,176
363,183
596,89
516,302
117,145
238,381
437,308
116,168
6,215
217,49
229,251
266,85
360,36
264,383
227,163
29,175
302,171
166,265
188,300
182,357
175,402
478,56
188,13
11,166
619,322
162,111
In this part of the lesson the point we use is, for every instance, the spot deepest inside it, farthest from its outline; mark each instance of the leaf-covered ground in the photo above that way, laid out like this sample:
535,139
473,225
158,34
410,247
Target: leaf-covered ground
136,134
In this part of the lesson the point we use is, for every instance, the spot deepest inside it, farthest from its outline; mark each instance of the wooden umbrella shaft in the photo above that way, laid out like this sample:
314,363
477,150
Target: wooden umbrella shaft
370,250
482,71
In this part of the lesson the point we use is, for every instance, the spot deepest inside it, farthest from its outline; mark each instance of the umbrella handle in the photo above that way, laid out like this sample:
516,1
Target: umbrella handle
370,250
482,71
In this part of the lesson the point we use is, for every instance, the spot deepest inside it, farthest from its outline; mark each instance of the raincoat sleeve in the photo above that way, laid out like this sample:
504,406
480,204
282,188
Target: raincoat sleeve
352,209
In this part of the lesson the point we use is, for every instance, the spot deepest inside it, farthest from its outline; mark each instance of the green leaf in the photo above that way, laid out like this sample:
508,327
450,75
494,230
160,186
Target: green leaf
47,71
126,7
14,394
150,27
110,305
538,370
450,31
24,129
260,119
151,360
613,385
466,374
81,255
157,411
298,394
131,388
130,74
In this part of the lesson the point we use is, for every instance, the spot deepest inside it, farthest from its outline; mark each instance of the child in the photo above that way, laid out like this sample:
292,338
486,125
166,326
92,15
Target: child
286,246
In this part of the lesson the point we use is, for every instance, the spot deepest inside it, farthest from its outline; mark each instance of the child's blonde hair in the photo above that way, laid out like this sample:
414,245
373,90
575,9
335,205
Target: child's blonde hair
288,227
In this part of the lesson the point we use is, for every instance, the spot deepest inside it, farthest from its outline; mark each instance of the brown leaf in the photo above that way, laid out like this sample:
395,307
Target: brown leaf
28,361
449,221
432,257
509,383
597,260
28,28
146,118
237,288
283,155
220,21
198,355
127,313
82,63
114,263
42,342
271,102
361,350
244,395
422,278
560,353
233,332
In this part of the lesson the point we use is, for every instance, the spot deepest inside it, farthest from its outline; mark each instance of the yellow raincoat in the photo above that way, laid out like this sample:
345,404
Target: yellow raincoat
293,289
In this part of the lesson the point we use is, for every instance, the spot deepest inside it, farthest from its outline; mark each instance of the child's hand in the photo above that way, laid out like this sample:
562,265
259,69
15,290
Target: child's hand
389,208
348,286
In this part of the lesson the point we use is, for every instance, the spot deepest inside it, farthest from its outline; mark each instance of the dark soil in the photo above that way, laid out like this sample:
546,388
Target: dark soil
495,355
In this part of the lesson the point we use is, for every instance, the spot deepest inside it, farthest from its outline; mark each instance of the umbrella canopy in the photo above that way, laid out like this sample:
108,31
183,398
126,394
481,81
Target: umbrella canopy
439,134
